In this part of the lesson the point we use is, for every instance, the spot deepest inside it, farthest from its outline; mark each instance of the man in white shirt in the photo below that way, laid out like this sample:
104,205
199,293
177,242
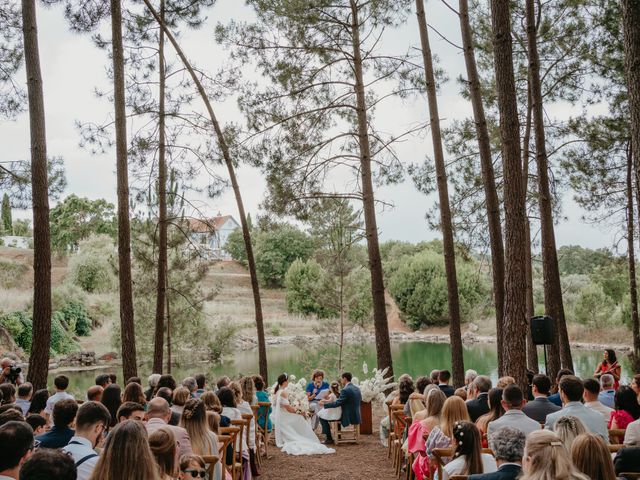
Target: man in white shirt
91,421
590,397
16,446
512,402
61,382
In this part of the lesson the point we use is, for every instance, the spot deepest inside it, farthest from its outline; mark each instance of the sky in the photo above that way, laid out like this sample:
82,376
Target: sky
73,67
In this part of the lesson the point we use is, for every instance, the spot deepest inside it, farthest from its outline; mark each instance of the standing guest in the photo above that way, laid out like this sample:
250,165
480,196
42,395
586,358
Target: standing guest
479,390
126,455
545,458
64,413
25,391
153,383
130,411
444,376
223,382
39,402
591,456
103,380
191,466
468,457
166,381
609,366
495,410
454,411
201,383
163,447
38,423
91,422
507,445
627,409
607,393
540,407
166,393
94,393
211,402
571,390
158,415
180,397
568,429
590,397
203,440
133,393
5,370
555,398
16,445
8,392
512,402
190,384
61,382
46,464
112,399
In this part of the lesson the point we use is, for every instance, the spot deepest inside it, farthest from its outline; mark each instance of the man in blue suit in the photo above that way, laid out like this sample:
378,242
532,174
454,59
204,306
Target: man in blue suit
350,399
507,444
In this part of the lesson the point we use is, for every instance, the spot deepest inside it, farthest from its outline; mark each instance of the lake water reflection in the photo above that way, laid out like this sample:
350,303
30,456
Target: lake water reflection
414,358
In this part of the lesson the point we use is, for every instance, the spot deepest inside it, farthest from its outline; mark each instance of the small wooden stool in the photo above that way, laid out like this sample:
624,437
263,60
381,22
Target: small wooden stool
342,434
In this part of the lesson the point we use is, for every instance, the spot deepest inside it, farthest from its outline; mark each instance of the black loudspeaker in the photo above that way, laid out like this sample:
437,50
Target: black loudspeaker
542,330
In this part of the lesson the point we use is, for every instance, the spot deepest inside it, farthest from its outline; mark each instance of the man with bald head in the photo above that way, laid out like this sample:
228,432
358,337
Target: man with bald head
94,393
5,370
158,416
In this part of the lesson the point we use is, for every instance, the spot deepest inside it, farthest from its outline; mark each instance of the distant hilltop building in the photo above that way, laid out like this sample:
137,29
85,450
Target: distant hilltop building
209,235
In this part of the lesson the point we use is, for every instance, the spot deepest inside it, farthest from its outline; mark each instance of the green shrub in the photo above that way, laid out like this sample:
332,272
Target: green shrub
594,308
222,337
76,318
61,341
67,292
19,326
358,296
304,281
100,310
92,269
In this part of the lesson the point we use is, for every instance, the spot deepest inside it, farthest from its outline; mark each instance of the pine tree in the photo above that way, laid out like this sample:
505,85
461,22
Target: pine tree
7,221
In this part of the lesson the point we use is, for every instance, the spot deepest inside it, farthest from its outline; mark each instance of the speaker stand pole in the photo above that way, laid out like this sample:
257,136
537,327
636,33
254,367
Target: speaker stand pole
546,368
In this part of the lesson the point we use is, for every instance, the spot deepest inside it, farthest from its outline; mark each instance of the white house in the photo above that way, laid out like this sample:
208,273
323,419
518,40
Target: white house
17,242
210,235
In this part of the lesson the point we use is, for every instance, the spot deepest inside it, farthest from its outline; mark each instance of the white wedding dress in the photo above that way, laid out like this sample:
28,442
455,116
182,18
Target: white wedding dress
293,432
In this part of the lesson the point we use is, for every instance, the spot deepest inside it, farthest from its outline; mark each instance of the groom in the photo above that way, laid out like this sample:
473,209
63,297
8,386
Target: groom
350,399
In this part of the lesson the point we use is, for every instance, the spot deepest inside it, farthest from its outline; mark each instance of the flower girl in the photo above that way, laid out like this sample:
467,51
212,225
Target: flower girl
332,413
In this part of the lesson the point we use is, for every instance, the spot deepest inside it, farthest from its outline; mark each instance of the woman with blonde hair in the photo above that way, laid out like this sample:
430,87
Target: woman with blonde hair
248,390
163,446
179,399
591,456
546,458
203,440
419,432
211,402
568,428
126,455
454,410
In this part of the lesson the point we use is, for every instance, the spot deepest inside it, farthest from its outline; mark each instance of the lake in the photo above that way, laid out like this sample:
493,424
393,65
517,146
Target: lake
414,358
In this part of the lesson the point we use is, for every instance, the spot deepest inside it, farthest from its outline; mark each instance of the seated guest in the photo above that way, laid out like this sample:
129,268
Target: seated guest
444,376
94,393
112,399
331,414
158,415
153,383
133,393
314,387
167,394
203,440
461,392
454,411
61,382
113,378
223,381
626,410
568,429
571,390
540,407
495,411
167,381
400,396
607,392
137,380
591,456
8,392
163,447
504,382
555,398
25,391
39,402
546,458
211,402
635,385
262,397
468,457
434,376
244,408
126,455
91,422
201,383
479,389
38,423
507,445
469,377
512,402
11,415
191,466
190,384
627,460
590,397
130,411
103,380
46,464
416,403
632,434
64,413
419,432
180,397
16,445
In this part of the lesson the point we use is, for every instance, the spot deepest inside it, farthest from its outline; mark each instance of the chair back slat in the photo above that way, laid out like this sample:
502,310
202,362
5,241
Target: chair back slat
210,461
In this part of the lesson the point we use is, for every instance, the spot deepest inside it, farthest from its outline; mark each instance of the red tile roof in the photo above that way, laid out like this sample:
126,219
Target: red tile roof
204,225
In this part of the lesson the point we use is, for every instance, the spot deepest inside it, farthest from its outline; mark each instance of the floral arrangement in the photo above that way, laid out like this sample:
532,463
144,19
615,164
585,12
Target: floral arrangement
372,389
297,394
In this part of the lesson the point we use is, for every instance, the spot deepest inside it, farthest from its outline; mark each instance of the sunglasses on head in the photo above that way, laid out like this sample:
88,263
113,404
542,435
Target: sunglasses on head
196,473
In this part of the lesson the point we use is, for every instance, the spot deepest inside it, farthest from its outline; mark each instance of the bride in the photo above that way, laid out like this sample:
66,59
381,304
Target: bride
293,432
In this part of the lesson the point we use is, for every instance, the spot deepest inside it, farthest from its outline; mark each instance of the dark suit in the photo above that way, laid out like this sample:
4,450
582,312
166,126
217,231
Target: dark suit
627,460
539,408
505,472
350,400
448,390
478,406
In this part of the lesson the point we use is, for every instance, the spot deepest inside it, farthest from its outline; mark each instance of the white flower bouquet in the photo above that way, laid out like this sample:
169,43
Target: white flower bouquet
372,389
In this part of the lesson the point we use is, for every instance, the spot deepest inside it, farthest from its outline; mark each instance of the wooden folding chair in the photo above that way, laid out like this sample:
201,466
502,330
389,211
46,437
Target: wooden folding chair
388,404
458,477
392,432
340,434
259,439
263,419
399,424
223,443
210,461
237,472
615,447
235,433
440,454
616,435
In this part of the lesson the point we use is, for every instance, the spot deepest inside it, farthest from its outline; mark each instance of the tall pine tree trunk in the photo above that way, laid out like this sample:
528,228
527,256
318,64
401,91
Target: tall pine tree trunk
161,291
631,28
383,344
129,364
552,287
455,336
515,361
488,178
226,154
633,286
41,333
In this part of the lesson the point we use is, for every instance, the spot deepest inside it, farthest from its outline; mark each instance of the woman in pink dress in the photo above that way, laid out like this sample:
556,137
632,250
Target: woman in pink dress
627,409
419,432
